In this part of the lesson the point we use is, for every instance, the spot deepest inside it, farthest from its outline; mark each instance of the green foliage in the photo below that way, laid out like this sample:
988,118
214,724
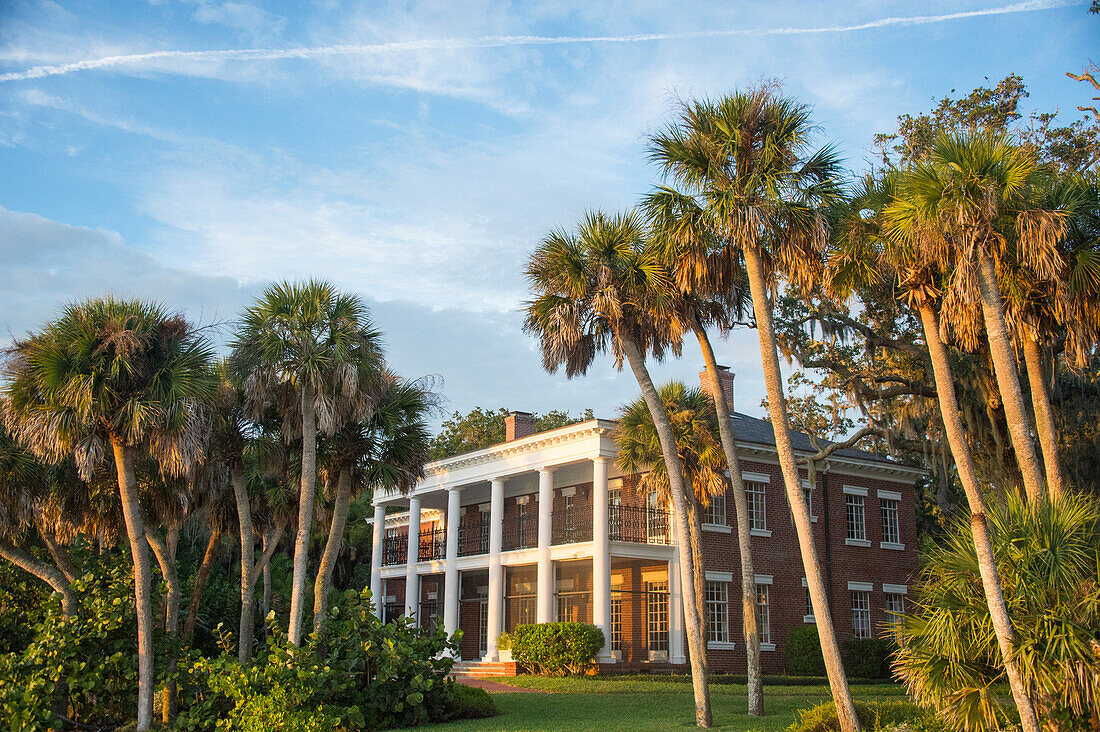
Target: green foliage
469,702
23,604
362,674
873,716
867,658
803,652
504,641
556,649
1048,558
485,427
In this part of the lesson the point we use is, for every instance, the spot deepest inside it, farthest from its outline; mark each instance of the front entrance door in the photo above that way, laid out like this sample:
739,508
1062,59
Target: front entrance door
483,628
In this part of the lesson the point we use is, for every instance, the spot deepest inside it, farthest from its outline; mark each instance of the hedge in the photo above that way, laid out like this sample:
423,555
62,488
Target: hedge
873,717
803,652
556,649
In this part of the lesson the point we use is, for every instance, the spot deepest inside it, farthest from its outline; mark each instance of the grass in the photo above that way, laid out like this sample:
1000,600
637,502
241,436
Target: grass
638,703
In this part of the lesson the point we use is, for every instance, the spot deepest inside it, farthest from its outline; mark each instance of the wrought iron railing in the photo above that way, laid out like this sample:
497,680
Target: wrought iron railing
519,532
433,545
395,549
641,525
473,536
570,526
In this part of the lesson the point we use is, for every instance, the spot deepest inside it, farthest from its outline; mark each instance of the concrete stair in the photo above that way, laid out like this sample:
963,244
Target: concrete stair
480,669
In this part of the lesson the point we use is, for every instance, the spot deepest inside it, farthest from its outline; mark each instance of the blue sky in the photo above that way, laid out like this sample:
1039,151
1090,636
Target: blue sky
416,152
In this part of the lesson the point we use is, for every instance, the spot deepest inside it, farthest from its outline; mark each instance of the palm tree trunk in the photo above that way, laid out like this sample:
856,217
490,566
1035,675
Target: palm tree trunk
695,523
1008,380
143,578
777,409
60,557
305,515
987,567
166,557
50,575
248,555
200,582
744,536
1044,416
265,602
696,646
327,567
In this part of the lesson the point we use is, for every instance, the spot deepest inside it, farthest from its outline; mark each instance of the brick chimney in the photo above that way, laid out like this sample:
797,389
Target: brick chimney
725,378
518,425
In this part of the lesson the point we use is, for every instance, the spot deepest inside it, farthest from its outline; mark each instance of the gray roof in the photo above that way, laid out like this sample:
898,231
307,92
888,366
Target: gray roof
758,431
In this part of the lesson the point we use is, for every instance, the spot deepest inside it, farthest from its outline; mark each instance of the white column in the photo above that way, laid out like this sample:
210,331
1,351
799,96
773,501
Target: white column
675,612
412,582
450,578
601,557
496,572
544,610
376,561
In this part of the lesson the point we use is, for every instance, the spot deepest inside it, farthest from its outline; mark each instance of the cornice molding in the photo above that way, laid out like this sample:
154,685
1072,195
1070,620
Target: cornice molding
522,446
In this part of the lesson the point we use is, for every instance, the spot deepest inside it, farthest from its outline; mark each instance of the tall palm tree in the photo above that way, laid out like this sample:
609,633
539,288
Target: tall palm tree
604,289
865,249
123,375
386,451
319,346
708,272
974,203
746,158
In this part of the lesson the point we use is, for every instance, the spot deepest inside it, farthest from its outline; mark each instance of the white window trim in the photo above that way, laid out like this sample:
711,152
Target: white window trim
570,491
891,545
861,586
763,579
484,507
523,500
809,618
760,532
719,576
855,490
858,542
889,495
718,528
895,589
808,486
767,646
721,645
756,477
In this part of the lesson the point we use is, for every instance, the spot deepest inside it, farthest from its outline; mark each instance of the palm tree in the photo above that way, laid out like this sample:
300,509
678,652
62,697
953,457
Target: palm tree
215,506
865,247
318,346
708,273
973,203
602,289
387,451
123,375
747,160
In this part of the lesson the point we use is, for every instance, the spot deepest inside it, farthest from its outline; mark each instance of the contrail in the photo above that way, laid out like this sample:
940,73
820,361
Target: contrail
266,54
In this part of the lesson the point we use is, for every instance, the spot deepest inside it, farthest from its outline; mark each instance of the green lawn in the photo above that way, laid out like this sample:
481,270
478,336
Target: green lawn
636,703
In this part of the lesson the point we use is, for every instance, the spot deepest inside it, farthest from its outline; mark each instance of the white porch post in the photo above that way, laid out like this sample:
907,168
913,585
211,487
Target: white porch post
545,602
376,561
496,572
412,583
675,612
450,578
601,557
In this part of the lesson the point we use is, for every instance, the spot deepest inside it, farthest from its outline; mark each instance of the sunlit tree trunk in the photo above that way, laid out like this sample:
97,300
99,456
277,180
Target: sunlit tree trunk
696,644
695,522
327,567
1044,416
248,555
50,575
305,515
165,552
744,538
777,410
987,567
201,576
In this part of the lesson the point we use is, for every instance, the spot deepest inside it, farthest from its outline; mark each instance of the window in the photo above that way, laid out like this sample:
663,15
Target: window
895,605
857,524
521,525
657,615
809,616
891,533
483,627
758,520
617,623
569,513
615,497
718,630
763,627
484,525
808,497
861,614
715,513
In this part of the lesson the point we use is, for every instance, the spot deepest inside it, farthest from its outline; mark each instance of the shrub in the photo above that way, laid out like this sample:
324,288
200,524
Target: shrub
867,658
873,716
803,652
504,641
468,702
556,649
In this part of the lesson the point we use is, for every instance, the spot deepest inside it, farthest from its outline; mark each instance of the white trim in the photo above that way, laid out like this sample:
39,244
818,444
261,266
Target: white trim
719,576
763,579
891,545
894,589
655,575
767,646
861,586
756,477
809,619
888,495
760,532
484,507
570,491
717,528
858,542
855,490
805,583
721,645
523,500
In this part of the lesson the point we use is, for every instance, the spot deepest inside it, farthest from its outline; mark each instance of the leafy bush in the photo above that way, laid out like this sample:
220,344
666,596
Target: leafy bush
803,652
504,641
556,649
468,702
361,674
867,658
873,716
